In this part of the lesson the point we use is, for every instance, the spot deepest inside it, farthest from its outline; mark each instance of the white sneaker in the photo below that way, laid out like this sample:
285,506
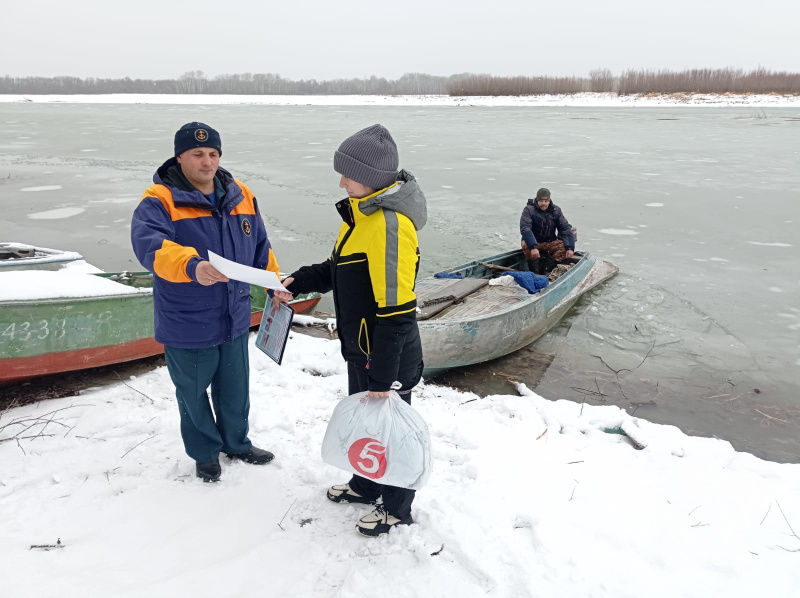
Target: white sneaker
379,522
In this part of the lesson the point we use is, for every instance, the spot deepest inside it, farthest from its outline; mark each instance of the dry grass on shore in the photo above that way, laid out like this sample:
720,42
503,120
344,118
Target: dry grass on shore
718,81
641,82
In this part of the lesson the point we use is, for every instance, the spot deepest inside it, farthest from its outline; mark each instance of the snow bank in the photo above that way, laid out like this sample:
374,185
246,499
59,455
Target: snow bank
80,266
558,100
528,498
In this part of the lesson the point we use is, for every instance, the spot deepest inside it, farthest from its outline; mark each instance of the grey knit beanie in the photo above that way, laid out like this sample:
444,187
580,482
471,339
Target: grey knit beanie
369,157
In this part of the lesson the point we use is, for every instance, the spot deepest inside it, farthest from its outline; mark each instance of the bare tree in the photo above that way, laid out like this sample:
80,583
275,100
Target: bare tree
601,80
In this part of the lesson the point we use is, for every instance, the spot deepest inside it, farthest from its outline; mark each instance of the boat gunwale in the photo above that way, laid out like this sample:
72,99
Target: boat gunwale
57,300
145,291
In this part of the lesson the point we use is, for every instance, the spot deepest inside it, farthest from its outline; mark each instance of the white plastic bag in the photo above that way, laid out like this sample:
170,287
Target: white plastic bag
383,440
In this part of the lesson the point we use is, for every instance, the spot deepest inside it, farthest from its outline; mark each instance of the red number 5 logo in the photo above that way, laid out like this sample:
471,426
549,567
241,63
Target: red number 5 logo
368,458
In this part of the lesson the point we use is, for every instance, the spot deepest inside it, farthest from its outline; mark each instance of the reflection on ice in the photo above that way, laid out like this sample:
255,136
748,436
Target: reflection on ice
617,231
43,188
769,244
57,214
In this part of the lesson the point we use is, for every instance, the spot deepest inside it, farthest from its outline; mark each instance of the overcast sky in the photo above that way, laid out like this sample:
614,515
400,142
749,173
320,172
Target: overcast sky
326,39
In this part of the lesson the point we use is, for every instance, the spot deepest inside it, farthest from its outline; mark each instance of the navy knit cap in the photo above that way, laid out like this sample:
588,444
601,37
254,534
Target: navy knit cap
369,157
192,135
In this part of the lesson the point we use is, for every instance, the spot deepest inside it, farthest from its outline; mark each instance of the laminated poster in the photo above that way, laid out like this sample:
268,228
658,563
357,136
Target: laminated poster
276,323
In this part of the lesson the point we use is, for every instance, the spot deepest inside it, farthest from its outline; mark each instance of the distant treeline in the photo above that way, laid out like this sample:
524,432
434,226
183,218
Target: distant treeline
600,80
630,83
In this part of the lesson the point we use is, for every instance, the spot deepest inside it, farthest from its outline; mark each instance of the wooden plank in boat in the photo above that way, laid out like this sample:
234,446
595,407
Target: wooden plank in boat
446,296
487,300
433,287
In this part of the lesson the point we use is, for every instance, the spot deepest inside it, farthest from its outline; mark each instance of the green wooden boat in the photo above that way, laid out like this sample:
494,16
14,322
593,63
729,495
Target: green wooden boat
41,336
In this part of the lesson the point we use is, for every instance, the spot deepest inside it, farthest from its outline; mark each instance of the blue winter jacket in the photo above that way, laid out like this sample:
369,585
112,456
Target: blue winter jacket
539,226
173,229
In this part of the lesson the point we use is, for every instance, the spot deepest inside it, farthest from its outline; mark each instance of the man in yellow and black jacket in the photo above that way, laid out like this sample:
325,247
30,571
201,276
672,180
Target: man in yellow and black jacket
372,272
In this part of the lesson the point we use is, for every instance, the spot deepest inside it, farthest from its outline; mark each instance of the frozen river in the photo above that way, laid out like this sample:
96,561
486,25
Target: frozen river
698,207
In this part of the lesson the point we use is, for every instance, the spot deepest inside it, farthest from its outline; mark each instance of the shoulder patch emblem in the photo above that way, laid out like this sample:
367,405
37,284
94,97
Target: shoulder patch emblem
246,227
201,135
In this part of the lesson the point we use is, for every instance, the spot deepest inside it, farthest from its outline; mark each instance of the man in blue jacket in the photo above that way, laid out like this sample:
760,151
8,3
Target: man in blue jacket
201,317
544,227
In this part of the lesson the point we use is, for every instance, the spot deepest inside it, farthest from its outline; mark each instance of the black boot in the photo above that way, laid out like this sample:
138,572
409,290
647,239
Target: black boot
209,471
534,265
255,456
543,264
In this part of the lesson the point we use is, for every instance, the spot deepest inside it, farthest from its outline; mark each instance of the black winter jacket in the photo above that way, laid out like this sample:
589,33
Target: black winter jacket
372,273
540,226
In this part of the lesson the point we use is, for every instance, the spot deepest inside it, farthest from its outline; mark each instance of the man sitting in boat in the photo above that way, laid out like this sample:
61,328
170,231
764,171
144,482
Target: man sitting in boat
545,229
201,317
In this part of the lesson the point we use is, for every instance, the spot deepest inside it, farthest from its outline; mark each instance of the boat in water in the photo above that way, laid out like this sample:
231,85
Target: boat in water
463,320
60,314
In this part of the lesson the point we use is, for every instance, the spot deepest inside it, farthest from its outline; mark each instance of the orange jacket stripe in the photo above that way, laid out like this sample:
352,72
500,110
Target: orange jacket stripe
247,206
272,266
163,195
170,261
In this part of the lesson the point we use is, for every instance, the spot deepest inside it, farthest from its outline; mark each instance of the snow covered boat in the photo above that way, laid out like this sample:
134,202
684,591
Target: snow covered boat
463,321
18,256
71,319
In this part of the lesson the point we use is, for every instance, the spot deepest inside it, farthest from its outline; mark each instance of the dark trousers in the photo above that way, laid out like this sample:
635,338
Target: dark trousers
396,501
226,368
555,248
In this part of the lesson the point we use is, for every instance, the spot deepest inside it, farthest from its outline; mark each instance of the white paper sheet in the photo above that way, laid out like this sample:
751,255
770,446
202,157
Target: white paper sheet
235,271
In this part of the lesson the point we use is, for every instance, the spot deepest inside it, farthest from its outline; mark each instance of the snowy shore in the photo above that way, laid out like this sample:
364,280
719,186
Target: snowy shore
528,497
572,100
